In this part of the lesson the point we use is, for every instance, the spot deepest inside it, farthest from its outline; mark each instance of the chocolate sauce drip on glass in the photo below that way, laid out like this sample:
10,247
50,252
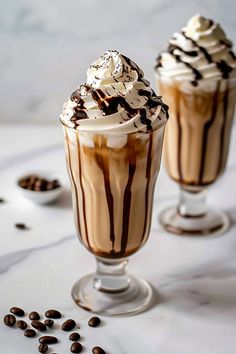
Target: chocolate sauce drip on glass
179,147
127,197
82,192
72,179
148,178
103,164
207,127
223,128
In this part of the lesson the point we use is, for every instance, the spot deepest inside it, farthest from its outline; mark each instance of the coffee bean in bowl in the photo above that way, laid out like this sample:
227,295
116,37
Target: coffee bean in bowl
40,188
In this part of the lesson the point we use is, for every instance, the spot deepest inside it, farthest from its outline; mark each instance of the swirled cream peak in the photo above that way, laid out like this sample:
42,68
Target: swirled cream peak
115,99
200,51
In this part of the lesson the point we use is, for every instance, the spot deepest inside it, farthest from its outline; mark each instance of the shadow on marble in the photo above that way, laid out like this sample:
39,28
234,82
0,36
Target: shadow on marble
232,215
64,201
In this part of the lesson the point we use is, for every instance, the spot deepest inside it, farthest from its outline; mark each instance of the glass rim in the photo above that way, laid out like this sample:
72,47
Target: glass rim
104,133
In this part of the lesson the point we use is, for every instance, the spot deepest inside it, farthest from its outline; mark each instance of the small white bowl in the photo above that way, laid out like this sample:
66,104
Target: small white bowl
41,197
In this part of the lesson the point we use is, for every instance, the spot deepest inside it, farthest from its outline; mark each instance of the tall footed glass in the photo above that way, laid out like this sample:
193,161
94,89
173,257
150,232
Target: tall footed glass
196,149
113,179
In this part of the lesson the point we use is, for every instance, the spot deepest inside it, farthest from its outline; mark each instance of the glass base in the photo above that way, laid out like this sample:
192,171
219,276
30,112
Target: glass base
136,298
213,222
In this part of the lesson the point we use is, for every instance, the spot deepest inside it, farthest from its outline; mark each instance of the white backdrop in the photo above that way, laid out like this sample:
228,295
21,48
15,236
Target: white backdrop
46,46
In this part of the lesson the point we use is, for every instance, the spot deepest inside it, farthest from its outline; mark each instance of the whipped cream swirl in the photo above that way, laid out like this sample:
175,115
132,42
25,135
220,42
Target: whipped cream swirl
200,51
115,99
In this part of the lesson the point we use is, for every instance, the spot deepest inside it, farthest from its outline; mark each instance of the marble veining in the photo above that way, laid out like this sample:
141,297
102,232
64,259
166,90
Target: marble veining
194,279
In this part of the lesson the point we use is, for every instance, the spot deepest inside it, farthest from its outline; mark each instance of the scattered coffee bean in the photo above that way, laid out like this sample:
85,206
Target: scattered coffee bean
53,314
98,350
9,320
21,226
21,324
74,336
30,333
40,326
49,323
68,325
94,322
43,348
76,347
48,340
34,316
17,311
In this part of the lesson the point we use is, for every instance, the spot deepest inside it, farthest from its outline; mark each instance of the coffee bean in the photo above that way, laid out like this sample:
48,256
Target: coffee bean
17,311
43,348
94,322
9,320
98,350
49,323
68,325
30,333
21,324
53,314
74,336
76,347
48,340
2,200
34,316
21,226
40,326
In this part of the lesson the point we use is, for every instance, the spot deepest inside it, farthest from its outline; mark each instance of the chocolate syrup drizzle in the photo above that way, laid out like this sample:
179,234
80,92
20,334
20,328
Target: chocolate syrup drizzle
128,196
206,129
109,105
79,110
103,164
223,128
205,140
76,190
223,67
148,179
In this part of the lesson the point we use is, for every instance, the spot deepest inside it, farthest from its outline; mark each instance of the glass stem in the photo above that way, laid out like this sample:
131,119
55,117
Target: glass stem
111,276
192,204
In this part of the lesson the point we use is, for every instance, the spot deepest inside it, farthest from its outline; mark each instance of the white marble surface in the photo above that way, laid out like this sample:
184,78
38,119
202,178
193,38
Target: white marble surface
46,46
195,278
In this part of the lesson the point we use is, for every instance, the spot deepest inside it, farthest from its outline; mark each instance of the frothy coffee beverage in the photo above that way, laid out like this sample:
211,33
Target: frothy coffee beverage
113,128
197,77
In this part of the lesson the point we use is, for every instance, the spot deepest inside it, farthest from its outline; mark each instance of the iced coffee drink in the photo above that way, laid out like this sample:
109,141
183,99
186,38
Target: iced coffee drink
113,126
197,77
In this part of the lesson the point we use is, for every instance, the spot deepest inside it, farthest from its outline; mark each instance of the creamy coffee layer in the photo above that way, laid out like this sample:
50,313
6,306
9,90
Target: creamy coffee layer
113,181
198,133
